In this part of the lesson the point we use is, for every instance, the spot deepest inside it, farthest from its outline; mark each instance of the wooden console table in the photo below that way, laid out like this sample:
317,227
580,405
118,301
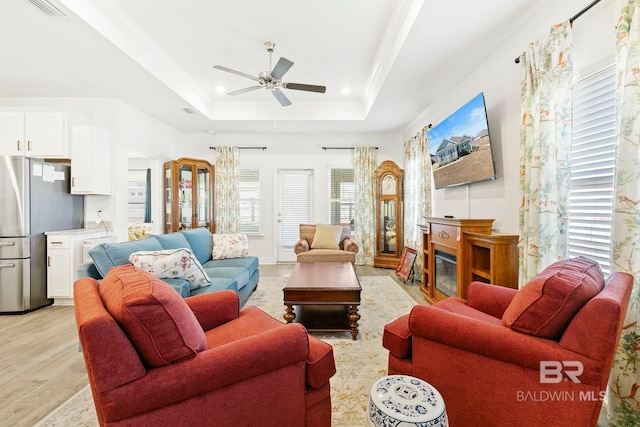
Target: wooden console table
458,251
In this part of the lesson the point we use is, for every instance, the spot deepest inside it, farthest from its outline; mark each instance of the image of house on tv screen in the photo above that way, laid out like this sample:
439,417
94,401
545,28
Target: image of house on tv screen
460,147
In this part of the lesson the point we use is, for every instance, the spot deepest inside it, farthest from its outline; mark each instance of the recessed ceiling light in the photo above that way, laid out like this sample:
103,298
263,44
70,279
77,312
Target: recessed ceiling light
220,89
346,90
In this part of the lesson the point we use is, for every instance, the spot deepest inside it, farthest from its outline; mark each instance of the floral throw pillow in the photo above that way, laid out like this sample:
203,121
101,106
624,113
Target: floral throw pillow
172,264
230,246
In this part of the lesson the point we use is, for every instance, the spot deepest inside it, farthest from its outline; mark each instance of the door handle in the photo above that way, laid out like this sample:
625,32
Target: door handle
8,244
18,145
10,265
28,145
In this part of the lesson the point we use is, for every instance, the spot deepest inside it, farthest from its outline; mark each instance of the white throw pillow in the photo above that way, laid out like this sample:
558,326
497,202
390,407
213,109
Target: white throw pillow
327,237
172,264
230,246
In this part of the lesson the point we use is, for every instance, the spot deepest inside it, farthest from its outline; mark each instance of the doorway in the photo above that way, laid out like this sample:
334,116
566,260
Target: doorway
294,207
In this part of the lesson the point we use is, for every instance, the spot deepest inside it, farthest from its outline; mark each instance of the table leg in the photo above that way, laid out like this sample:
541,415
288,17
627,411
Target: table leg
289,315
353,321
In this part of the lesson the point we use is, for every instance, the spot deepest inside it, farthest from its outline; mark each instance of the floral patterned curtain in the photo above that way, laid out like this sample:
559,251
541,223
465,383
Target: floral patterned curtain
545,145
623,400
227,197
364,171
417,192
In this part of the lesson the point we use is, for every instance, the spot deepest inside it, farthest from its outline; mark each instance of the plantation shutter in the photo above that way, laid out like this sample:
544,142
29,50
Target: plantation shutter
249,188
342,196
592,168
295,204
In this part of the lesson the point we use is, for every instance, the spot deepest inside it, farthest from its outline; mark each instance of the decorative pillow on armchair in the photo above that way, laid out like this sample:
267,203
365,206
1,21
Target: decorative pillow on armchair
172,264
545,306
230,246
327,237
157,320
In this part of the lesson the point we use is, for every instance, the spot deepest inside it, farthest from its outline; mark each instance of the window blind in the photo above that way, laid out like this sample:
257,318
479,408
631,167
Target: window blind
249,189
592,168
342,196
295,204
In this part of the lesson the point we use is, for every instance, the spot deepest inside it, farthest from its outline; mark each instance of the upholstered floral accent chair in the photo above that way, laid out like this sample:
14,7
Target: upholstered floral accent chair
326,243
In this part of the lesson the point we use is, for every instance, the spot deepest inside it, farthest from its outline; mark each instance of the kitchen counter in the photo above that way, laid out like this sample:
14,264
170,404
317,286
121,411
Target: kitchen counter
93,231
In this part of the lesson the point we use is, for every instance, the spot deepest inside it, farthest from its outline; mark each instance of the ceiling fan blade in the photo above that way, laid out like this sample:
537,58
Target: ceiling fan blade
239,73
308,88
282,99
246,89
281,68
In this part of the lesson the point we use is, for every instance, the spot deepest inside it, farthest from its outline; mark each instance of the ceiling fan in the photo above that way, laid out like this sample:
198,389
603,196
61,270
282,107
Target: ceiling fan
272,80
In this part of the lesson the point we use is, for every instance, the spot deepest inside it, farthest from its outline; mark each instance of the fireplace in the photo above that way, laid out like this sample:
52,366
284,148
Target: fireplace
446,280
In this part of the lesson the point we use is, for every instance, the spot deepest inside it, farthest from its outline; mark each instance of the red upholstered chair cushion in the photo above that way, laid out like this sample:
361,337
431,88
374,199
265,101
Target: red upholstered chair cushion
159,323
545,306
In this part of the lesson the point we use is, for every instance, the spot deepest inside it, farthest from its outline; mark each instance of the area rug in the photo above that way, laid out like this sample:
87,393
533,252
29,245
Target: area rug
359,363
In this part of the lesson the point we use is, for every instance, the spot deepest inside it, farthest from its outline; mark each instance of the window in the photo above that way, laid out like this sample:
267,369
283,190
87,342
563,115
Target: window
592,168
249,188
137,197
342,196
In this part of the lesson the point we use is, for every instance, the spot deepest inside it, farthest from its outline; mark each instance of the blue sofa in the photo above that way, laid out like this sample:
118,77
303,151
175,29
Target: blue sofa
237,274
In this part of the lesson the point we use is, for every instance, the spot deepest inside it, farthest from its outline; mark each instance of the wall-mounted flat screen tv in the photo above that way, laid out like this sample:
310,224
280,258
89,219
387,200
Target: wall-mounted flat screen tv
460,146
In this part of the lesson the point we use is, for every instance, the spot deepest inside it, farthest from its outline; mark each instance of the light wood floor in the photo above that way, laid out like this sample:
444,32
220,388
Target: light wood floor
41,365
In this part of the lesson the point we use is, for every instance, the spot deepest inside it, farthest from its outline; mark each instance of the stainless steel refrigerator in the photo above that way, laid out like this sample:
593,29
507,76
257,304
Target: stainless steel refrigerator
34,198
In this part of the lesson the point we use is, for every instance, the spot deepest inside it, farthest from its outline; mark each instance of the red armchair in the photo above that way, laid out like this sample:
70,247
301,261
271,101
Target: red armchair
208,364
492,370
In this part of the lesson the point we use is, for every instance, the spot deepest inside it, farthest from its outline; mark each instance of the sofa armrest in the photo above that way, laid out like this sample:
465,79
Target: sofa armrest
301,246
350,245
88,269
490,299
213,369
490,340
214,308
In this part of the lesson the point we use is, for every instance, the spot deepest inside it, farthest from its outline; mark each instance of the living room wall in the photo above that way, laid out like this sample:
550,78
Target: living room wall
499,78
293,151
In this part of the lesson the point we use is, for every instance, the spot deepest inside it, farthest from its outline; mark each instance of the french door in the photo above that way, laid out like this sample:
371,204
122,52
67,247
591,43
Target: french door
294,195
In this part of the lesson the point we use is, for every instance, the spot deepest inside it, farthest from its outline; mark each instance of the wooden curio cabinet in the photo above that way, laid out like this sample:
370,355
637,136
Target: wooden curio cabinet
389,221
188,195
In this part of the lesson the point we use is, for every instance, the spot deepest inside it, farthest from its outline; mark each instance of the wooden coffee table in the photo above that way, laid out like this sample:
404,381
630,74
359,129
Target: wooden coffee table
326,296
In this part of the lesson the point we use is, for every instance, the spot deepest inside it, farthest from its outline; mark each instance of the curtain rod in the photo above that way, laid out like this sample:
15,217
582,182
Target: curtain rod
573,18
341,148
243,148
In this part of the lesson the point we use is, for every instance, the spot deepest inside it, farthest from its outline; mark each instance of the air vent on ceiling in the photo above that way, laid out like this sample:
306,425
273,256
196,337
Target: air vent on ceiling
189,110
48,7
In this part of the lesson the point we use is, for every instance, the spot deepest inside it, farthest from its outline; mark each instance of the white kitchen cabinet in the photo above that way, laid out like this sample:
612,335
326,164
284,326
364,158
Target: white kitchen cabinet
34,134
65,250
90,160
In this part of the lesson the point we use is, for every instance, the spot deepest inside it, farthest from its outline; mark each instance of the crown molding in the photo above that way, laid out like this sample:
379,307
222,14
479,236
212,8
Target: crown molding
108,19
402,19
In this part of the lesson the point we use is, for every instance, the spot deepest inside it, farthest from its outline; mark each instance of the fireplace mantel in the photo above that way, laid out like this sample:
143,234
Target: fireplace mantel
473,254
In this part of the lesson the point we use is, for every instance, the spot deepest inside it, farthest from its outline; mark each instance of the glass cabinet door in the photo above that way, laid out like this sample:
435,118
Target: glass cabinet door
168,199
388,222
203,195
185,205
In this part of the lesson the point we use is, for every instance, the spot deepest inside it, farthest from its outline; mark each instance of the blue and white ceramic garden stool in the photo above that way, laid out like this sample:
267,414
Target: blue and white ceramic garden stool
404,401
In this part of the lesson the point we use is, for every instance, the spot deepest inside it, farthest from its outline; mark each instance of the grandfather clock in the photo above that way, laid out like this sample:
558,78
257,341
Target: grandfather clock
389,224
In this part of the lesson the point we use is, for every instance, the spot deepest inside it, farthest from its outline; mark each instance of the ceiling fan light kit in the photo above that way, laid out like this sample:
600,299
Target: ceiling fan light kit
272,80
